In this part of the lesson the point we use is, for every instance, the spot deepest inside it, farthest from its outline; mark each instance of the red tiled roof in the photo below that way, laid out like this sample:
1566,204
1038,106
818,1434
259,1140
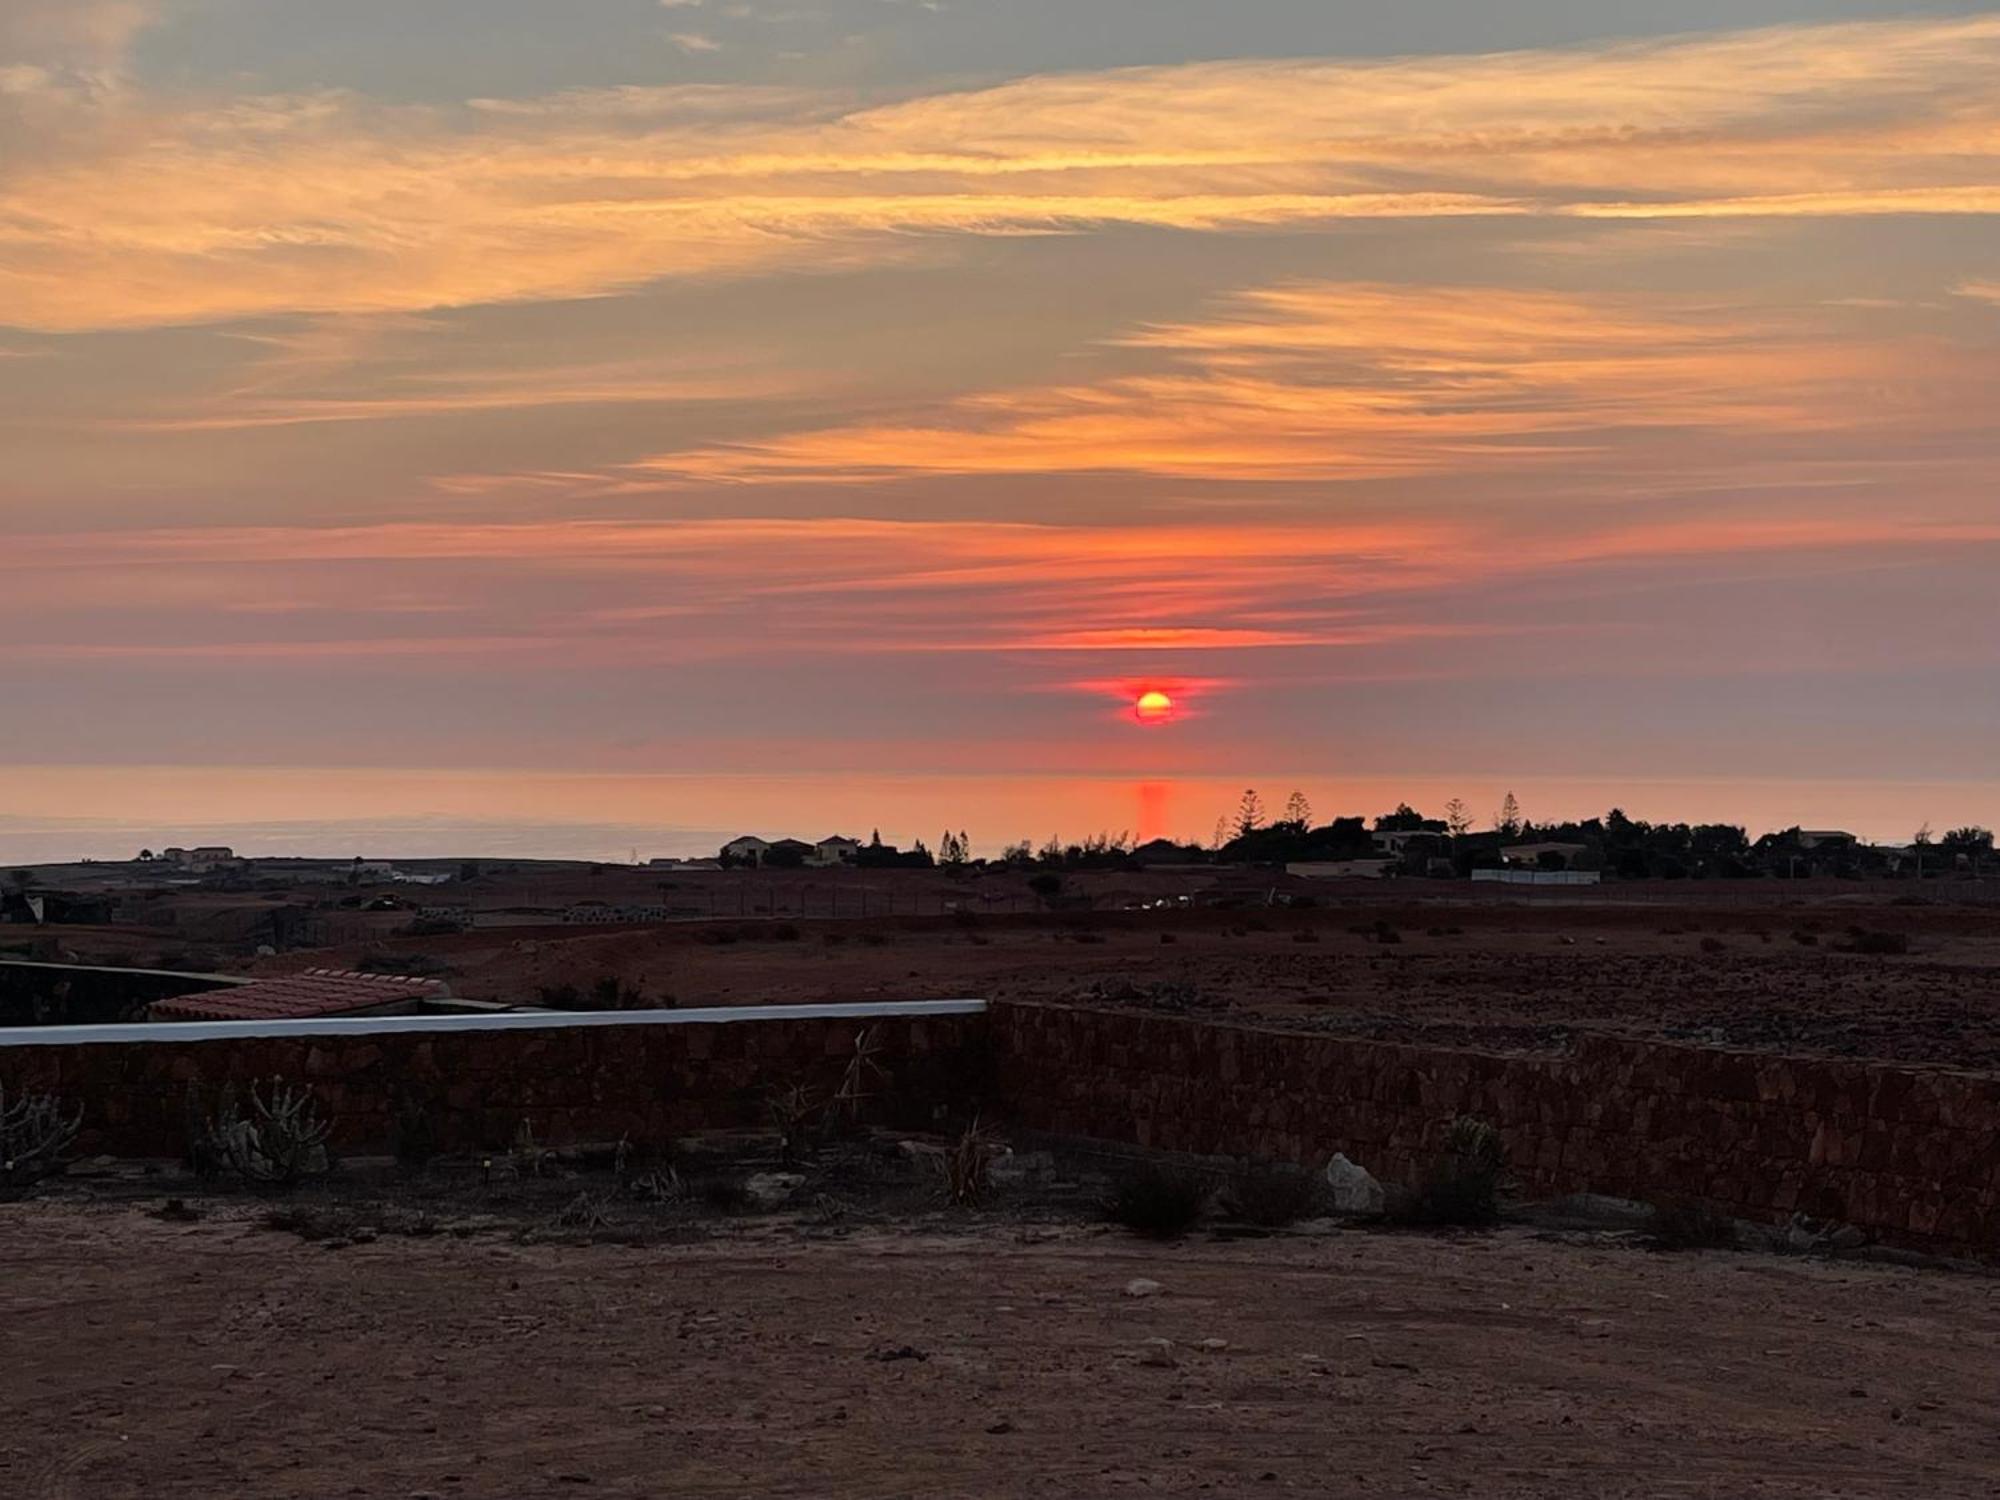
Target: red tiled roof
292,997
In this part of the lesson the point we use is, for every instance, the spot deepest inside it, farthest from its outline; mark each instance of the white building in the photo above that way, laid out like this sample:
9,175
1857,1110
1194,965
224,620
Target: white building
836,850
748,850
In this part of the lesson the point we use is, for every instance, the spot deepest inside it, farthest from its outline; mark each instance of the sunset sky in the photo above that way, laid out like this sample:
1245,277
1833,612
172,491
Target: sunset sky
553,426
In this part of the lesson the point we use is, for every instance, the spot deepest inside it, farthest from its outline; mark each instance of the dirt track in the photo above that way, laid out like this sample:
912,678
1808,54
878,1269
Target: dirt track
149,1359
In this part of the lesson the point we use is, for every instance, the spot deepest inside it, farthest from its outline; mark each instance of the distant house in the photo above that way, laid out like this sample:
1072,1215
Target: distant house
748,850
789,854
1826,838
1343,869
1165,852
1543,856
834,850
202,859
1396,842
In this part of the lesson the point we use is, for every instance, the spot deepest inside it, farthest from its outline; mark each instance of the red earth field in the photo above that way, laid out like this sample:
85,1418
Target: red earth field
149,1360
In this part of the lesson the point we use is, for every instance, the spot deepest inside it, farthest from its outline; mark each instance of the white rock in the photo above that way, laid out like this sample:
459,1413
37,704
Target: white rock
1355,1190
1139,1286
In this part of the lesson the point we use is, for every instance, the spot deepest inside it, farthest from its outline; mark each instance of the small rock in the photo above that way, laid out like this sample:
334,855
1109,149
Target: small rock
1140,1286
1001,1428
1158,1355
1214,1346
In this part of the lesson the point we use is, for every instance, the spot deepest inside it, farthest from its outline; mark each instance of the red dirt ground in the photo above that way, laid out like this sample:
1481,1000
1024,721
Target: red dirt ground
152,1360
1511,977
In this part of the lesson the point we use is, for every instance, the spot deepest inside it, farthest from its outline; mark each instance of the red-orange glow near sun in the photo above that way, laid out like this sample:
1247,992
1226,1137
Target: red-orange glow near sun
1152,707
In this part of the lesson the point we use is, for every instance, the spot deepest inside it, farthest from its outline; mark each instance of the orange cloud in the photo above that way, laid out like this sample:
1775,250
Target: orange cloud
1346,381
633,593
328,203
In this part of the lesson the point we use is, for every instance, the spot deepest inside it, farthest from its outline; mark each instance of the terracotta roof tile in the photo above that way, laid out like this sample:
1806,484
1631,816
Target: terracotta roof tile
313,992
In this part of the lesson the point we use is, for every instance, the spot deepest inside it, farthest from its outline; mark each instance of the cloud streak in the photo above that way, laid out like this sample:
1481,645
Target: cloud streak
329,203
1339,381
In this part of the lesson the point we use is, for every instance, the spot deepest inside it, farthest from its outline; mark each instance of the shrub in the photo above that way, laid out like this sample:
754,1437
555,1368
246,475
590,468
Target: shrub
1159,1202
965,1167
1168,937
582,1214
797,1113
36,1133
412,1133
1680,1224
1714,945
1805,939
1273,1195
528,1157
1306,935
1879,943
279,1144
1462,1184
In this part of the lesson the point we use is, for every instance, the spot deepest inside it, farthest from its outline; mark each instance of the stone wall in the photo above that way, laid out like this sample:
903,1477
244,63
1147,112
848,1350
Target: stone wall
648,1082
1910,1154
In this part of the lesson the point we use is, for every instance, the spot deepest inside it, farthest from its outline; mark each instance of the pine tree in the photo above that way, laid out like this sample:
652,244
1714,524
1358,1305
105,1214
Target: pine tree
1249,813
1298,811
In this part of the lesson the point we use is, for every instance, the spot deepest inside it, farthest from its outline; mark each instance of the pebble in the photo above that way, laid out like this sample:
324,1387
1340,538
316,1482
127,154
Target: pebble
1139,1286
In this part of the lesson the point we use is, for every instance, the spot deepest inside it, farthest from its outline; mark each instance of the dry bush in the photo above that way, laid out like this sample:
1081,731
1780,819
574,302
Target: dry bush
1877,943
859,1077
797,1113
528,1157
1273,1195
36,1133
965,1168
1462,1184
582,1214
1159,1202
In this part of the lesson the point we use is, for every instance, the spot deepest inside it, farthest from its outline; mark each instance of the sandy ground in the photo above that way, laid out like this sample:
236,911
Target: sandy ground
147,1359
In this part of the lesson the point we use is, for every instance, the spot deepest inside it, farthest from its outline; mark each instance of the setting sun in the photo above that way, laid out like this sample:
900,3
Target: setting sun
1153,706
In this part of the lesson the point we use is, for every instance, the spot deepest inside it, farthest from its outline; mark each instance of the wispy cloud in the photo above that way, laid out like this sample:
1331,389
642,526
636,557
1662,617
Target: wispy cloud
1358,381
604,594
328,203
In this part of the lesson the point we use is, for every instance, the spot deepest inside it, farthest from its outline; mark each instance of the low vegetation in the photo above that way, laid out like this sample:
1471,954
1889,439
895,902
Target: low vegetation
36,1133
278,1144
1157,1201
1273,1195
967,1167
1461,1187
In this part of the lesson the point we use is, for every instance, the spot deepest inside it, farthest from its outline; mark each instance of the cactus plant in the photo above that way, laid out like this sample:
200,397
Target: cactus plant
35,1134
